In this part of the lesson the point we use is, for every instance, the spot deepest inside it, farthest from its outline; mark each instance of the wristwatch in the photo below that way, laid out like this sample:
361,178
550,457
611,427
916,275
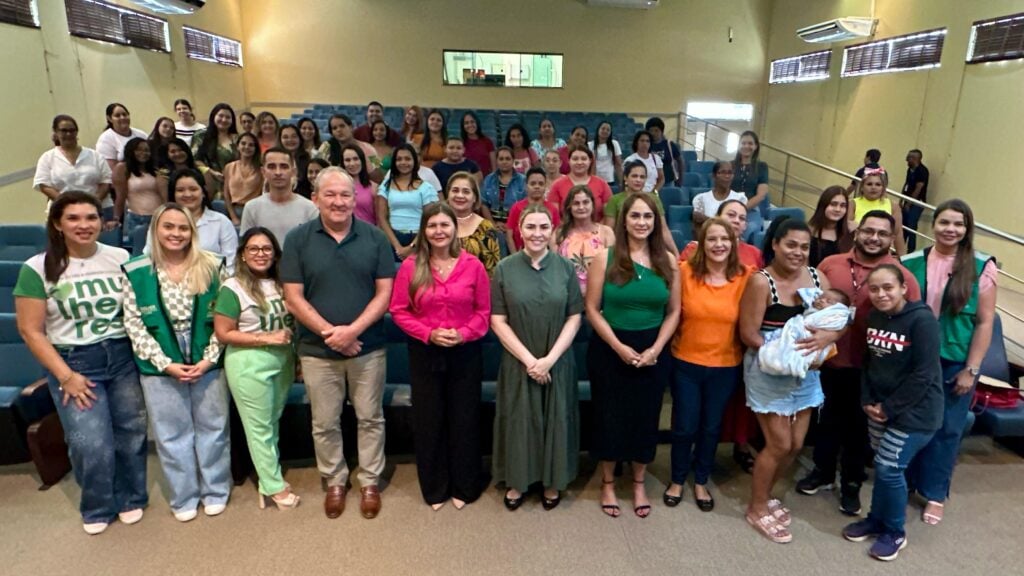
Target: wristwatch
974,371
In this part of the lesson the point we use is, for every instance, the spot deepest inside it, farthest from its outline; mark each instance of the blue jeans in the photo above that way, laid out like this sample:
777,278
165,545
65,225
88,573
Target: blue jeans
931,473
911,216
894,451
699,397
131,222
190,422
106,443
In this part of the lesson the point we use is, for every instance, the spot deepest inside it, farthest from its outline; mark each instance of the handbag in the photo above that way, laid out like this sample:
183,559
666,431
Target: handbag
987,396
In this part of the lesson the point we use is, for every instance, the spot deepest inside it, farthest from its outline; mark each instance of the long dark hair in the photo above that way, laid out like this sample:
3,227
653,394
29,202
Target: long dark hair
257,158
316,132
249,282
335,154
737,160
133,166
609,143
172,182
55,261
428,139
207,150
961,282
364,172
566,217
422,277
414,176
164,160
622,270
818,220
522,130
777,231
479,127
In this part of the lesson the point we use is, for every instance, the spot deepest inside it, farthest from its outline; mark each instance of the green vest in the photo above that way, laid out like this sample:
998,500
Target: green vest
957,330
143,279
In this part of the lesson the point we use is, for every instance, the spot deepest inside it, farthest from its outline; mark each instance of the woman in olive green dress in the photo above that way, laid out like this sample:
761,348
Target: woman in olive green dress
536,307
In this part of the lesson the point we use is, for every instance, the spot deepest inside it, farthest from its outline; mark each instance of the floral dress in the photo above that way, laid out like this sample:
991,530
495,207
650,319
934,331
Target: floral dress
580,247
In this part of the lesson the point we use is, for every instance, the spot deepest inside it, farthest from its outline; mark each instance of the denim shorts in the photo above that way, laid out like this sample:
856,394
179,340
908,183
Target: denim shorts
785,395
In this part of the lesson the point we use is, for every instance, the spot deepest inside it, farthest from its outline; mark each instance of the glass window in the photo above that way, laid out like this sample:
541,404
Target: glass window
997,39
111,23
897,54
511,69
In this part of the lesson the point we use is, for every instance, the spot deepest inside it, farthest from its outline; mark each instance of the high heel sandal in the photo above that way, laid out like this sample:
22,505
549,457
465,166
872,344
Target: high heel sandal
644,508
287,503
611,510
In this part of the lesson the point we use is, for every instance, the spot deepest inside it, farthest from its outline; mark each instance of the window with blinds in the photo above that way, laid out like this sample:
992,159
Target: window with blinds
996,39
20,12
207,47
813,66
897,54
99,20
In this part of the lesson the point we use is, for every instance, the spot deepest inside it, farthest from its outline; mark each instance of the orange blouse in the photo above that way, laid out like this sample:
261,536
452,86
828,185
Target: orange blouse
708,333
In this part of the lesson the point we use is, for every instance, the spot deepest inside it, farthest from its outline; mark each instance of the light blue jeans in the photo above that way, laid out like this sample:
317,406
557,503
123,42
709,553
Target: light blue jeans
106,443
894,450
190,422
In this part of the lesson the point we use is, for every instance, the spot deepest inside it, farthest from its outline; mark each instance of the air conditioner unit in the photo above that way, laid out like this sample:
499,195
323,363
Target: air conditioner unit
171,6
838,30
638,4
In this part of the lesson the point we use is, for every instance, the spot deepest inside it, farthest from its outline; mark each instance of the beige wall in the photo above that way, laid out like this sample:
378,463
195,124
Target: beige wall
47,72
615,59
966,119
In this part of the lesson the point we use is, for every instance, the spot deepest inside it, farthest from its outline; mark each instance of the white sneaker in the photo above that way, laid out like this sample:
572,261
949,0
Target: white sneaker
130,516
95,528
185,515
214,509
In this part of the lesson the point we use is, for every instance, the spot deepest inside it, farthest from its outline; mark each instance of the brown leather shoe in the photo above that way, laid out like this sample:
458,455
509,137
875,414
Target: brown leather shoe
369,504
334,502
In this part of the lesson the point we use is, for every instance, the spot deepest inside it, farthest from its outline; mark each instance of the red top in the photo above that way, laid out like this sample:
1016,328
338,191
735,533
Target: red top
848,274
563,155
363,134
517,209
479,151
748,253
462,301
598,187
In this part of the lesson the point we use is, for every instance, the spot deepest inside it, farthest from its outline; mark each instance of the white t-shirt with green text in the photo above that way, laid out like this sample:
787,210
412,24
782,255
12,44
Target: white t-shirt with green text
234,302
84,305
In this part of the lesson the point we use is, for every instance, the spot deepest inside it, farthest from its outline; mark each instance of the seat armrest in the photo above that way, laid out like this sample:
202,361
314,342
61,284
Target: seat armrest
32,388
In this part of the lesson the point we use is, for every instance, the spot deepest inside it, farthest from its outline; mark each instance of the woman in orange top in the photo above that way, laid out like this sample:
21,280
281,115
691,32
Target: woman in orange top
708,356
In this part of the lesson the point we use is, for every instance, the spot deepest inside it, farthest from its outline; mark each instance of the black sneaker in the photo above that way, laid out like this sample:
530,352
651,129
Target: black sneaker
888,546
849,499
813,482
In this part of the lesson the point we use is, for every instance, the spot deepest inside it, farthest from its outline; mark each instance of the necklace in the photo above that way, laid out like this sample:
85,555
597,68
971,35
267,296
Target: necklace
466,217
443,268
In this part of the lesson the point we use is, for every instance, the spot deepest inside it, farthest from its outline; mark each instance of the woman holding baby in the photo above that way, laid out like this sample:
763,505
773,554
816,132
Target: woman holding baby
707,356
782,404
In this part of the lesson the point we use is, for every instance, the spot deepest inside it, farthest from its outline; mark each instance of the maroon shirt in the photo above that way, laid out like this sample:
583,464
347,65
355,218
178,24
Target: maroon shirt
363,134
849,275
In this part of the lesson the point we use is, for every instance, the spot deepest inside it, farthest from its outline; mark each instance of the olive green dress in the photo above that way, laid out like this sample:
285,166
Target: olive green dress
536,428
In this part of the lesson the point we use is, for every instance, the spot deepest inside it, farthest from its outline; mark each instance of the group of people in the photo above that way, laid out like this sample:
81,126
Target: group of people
164,337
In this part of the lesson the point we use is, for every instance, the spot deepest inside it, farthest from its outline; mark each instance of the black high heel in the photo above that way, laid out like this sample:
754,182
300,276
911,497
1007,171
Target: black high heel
551,503
611,510
514,503
644,508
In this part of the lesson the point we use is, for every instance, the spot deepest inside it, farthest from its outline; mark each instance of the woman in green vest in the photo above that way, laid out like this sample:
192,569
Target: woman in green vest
168,314
253,323
959,285
68,303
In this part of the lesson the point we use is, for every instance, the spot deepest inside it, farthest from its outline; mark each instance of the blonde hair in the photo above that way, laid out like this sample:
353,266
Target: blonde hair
200,266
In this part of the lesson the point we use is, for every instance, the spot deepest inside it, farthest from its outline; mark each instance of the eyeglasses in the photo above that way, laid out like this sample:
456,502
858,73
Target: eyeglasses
255,250
68,130
869,232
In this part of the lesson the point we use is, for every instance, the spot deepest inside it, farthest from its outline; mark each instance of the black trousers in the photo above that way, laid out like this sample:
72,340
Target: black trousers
446,415
842,426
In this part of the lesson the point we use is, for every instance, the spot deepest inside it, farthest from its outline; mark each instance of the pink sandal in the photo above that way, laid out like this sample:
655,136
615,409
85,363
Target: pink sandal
770,527
780,512
930,518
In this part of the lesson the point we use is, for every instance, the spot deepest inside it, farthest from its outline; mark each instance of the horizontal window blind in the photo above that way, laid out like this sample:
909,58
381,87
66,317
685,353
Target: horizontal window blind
201,45
20,12
910,52
997,39
98,20
813,66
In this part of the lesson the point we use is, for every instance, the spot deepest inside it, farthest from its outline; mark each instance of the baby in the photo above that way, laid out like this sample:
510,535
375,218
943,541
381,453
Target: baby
826,310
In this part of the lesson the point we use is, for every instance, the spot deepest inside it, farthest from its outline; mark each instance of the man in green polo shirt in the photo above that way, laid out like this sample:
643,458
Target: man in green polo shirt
337,273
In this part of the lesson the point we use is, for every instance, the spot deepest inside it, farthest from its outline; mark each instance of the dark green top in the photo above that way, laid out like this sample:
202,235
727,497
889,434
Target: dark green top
338,278
638,304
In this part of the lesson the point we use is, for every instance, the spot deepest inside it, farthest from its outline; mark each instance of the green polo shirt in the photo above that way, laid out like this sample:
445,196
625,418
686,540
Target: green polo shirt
338,278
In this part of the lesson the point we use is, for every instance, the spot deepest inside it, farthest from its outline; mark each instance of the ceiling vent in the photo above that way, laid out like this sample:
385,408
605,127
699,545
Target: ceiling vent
838,30
171,6
635,4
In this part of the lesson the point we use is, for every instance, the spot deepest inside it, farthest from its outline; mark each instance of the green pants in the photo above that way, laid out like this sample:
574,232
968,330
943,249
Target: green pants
259,379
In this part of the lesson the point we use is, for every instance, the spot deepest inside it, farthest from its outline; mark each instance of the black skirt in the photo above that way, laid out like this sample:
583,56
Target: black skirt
627,400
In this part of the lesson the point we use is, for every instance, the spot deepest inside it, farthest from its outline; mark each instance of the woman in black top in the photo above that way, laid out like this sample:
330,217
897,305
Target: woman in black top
829,232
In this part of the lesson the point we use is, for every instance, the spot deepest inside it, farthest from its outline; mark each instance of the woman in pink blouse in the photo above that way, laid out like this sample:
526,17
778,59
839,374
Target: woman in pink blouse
441,300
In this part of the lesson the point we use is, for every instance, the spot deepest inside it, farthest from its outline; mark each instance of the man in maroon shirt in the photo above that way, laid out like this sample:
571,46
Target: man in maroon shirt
842,423
374,112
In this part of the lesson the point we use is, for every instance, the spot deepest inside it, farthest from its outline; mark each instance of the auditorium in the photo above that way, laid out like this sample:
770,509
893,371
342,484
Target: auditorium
511,287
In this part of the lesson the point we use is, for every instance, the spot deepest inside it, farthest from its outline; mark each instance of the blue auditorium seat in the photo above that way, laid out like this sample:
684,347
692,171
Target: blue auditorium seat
779,211
757,240
689,156
219,206
18,410
672,196
701,167
681,218
998,422
19,242
111,237
694,180
8,278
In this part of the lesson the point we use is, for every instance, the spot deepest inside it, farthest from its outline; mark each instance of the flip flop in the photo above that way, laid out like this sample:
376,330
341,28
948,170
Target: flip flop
930,518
